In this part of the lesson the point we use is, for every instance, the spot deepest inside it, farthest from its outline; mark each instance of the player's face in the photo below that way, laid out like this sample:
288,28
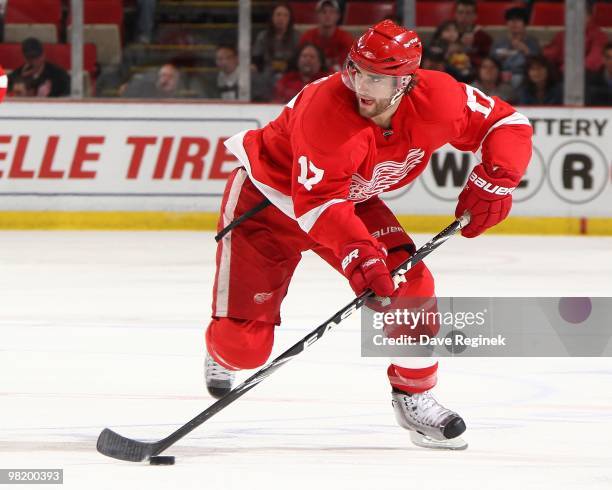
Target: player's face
373,91
372,107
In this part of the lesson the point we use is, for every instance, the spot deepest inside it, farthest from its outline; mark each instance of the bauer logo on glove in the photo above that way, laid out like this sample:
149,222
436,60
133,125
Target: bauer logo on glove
353,254
487,198
489,187
364,266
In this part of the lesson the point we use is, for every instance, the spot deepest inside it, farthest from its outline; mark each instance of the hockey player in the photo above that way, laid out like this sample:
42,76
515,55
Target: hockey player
322,164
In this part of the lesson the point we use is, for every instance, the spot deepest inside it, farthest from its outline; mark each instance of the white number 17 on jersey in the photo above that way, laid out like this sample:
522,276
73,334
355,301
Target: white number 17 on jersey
303,179
476,101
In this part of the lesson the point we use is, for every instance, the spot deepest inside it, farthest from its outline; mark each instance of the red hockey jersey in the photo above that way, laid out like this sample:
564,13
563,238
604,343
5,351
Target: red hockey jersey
320,156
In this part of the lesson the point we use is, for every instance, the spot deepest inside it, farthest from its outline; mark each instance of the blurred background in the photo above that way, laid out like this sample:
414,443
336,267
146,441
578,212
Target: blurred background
190,48
123,106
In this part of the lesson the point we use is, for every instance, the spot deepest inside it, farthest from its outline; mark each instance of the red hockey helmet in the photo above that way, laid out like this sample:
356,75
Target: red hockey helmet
388,49
382,61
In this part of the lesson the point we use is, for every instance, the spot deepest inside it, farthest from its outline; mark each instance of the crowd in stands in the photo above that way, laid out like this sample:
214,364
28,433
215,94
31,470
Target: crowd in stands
37,77
513,65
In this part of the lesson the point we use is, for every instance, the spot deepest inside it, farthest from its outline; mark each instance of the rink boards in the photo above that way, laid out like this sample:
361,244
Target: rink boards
164,165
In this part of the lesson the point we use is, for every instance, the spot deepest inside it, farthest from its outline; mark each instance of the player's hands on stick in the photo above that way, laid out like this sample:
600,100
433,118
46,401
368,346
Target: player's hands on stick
364,266
488,200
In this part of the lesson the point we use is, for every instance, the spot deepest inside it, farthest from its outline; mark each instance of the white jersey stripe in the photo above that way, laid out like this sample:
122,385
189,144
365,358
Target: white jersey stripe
514,118
281,201
307,220
223,276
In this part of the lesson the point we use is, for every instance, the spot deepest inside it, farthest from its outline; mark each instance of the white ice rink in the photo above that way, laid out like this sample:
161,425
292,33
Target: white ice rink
106,329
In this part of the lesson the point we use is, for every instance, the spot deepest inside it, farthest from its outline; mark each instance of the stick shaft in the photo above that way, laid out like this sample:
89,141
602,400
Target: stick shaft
116,446
308,340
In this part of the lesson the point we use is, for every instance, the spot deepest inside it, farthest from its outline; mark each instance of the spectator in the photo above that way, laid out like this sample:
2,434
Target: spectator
19,88
594,41
445,42
333,41
540,85
599,83
166,84
445,35
512,51
39,77
309,65
434,60
276,45
476,42
225,85
489,80
145,20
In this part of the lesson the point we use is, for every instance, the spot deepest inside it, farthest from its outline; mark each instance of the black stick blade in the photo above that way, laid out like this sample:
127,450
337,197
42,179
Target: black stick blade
116,446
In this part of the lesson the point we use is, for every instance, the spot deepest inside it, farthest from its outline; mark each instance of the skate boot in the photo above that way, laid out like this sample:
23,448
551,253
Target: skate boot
219,380
430,424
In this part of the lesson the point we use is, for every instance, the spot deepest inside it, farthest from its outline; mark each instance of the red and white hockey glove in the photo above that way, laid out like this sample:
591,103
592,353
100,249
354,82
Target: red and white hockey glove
364,266
487,198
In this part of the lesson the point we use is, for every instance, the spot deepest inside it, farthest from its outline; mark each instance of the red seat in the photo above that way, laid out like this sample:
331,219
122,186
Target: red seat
548,14
11,57
33,12
492,13
602,14
433,13
124,3
58,54
27,18
367,13
304,12
102,12
61,55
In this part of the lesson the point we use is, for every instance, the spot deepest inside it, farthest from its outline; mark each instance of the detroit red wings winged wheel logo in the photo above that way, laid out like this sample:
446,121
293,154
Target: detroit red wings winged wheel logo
384,175
3,84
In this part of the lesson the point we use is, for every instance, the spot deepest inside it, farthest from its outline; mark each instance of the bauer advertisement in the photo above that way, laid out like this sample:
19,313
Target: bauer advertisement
171,157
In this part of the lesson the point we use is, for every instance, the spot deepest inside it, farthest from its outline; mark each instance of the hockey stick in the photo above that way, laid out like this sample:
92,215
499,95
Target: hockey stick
250,213
116,446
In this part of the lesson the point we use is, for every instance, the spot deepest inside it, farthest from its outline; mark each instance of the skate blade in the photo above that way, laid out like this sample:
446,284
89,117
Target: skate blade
457,444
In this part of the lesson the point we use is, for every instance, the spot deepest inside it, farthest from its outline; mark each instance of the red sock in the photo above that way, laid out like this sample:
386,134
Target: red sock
413,380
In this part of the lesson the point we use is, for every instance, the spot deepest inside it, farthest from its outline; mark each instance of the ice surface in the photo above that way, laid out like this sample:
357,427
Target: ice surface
106,329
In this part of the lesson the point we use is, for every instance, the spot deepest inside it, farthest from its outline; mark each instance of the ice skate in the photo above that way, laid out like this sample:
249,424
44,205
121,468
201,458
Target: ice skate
219,380
430,424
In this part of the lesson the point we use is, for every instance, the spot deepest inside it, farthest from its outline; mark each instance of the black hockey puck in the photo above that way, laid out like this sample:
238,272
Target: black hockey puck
161,460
